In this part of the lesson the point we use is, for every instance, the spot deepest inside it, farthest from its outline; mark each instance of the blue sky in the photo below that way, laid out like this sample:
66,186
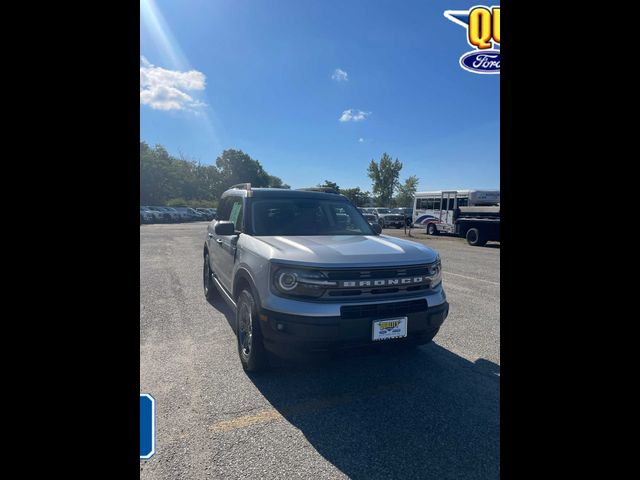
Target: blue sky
257,76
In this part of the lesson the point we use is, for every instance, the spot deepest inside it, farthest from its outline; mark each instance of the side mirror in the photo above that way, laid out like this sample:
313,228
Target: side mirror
225,228
377,229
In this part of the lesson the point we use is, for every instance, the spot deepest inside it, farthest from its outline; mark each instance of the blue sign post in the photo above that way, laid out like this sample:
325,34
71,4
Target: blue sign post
147,426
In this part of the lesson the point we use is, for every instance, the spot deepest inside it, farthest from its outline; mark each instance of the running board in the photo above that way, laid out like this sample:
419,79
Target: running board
224,293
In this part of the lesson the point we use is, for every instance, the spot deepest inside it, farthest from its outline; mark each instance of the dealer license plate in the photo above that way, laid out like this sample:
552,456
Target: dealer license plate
389,328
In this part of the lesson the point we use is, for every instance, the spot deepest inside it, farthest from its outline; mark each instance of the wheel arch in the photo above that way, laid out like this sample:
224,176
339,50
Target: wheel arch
244,279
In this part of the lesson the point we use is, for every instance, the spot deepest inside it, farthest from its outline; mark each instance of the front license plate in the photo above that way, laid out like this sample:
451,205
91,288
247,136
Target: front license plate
389,328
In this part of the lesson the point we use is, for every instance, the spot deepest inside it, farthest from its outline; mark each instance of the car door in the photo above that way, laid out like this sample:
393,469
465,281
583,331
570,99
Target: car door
222,248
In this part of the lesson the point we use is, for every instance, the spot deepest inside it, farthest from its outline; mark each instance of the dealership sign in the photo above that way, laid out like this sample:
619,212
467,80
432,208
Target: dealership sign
147,426
483,34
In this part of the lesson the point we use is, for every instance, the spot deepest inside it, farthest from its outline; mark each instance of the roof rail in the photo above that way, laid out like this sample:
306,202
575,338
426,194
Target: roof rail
319,189
242,186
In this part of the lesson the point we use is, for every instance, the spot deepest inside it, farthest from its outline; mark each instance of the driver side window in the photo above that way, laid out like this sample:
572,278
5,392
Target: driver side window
224,209
235,215
230,210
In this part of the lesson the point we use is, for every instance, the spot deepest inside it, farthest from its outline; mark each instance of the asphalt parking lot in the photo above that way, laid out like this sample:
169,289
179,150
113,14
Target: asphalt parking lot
429,413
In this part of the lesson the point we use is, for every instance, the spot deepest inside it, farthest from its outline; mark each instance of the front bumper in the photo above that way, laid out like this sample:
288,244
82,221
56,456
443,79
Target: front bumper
296,336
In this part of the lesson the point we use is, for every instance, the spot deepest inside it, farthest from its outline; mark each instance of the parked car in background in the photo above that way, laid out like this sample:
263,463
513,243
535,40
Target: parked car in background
206,212
408,214
370,217
174,214
202,216
147,216
164,215
188,214
386,218
371,211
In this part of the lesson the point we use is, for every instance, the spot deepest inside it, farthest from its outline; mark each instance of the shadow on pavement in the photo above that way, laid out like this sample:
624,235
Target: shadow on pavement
422,413
426,413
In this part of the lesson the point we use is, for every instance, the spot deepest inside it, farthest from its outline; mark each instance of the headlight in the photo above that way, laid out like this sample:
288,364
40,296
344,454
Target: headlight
287,281
299,282
435,272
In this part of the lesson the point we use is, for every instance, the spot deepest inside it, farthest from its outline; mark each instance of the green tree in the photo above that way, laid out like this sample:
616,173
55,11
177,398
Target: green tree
276,182
235,167
328,184
406,192
357,197
384,177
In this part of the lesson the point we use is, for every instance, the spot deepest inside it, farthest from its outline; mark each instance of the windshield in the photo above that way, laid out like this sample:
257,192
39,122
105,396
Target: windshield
306,217
384,210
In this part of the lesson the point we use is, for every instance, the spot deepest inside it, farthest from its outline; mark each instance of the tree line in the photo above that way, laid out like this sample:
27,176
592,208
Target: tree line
168,180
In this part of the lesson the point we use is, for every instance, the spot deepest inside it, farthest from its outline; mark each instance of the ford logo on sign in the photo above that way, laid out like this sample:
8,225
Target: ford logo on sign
484,61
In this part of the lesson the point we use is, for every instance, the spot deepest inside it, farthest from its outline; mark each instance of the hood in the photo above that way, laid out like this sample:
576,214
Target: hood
347,251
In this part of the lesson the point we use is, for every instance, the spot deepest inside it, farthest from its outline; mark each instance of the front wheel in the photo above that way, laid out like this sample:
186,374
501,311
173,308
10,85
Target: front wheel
431,229
250,347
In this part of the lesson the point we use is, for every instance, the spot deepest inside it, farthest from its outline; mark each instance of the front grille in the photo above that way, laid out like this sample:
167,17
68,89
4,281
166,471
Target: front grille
383,310
383,273
377,273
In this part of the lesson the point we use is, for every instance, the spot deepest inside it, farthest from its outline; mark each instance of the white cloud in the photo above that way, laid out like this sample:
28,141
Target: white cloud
163,89
361,140
353,115
340,75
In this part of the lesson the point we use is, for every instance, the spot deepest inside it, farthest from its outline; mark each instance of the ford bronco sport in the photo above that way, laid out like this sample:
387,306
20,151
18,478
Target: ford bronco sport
304,272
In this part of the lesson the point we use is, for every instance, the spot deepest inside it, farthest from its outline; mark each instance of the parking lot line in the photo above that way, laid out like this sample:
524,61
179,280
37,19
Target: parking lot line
472,278
269,415
264,416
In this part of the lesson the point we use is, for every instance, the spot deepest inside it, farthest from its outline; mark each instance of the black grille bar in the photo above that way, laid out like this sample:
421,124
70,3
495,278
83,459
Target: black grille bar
382,310
357,274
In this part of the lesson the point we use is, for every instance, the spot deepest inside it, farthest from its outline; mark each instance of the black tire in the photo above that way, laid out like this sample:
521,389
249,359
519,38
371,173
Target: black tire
250,347
431,229
207,283
475,238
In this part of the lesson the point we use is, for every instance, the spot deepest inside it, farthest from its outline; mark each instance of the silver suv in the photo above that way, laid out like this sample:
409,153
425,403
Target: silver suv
306,273
387,218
